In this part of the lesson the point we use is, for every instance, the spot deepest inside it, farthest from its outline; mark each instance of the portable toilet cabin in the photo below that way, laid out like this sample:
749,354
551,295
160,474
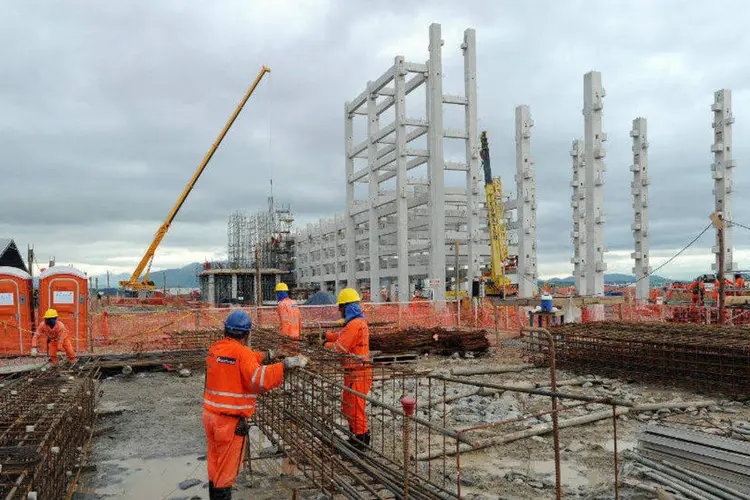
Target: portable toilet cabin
16,297
65,289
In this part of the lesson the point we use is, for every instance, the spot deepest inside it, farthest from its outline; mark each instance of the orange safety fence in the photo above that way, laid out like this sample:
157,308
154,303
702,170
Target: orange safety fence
169,329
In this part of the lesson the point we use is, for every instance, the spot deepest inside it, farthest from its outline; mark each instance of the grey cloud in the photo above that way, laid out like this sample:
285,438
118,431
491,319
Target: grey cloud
108,108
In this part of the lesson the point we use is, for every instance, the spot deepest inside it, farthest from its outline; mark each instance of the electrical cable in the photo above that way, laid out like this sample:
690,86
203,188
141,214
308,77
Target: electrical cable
668,260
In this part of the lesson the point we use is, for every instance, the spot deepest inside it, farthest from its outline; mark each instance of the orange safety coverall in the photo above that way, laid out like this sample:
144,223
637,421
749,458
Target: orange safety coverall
56,337
290,318
234,376
354,339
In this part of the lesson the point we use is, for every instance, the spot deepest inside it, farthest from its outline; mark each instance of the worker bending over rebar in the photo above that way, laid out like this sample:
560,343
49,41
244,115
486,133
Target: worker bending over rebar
57,336
354,339
235,375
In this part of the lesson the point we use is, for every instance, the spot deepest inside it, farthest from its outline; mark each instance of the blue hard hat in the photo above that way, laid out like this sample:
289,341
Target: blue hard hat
237,324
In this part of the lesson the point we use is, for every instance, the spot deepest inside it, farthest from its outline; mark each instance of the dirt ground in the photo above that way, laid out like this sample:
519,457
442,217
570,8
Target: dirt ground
157,442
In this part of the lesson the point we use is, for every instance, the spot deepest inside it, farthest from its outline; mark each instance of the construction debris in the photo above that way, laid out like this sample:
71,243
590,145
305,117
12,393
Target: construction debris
702,357
430,340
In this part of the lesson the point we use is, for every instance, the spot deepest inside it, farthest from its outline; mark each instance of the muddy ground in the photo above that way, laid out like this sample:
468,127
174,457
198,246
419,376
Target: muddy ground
156,447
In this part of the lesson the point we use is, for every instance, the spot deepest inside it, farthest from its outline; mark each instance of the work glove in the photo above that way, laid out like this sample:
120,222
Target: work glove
34,352
341,322
295,362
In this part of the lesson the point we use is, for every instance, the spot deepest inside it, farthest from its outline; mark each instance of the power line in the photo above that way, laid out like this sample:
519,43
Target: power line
732,223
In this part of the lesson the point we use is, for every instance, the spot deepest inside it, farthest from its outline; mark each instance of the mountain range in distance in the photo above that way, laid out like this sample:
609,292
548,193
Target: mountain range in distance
187,277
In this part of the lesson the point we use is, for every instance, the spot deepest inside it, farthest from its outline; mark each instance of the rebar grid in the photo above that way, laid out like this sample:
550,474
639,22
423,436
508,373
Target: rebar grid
45,418
700,357
305,418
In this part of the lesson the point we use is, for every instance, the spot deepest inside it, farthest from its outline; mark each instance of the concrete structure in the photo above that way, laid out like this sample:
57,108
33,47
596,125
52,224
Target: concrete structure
578,203
409,224
526,189
595,217
639,190
721,170
407,205
237,286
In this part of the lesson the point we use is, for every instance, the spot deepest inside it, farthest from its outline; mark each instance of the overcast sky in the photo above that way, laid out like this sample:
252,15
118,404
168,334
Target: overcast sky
107,108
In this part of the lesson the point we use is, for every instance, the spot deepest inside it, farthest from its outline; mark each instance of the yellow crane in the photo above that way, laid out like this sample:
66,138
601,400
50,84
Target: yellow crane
135,283
496,283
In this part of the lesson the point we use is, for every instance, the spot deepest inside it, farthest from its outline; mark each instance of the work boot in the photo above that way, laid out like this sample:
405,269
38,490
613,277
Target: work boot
210,489
222,494
361,441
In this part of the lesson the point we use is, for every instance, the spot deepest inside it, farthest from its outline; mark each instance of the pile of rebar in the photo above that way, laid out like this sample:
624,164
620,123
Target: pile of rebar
430,340
701,357
45,421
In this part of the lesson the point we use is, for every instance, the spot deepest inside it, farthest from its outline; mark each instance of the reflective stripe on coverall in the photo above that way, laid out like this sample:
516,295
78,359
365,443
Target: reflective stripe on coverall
290,318
56,337
234,376
354,339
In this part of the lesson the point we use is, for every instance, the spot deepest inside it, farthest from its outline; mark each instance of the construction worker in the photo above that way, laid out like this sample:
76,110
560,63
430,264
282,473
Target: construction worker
698,289
57,336
235,375
289,315
739,284
354,339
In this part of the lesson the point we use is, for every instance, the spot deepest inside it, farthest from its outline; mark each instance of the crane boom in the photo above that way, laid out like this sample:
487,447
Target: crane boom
495,221
134,283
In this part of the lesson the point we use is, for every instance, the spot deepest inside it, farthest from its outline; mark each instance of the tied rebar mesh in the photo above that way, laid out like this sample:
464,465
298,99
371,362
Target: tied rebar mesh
700,357
45,419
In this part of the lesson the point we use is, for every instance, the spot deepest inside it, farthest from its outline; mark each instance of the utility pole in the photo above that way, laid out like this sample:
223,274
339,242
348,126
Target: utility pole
165,282
108,290
30,257
258,294
458,286
718,220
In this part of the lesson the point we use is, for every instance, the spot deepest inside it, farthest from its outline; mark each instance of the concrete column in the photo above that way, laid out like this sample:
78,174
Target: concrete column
472,152
578,201
402,235
594,182
722,169
373,127
639,189
351,271
211,289
234,286
526,187
436,162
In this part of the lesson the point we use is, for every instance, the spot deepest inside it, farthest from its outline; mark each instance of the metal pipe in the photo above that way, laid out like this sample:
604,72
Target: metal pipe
555,420
690,478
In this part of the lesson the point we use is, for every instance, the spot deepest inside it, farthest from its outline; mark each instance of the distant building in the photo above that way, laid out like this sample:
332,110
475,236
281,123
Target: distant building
10,256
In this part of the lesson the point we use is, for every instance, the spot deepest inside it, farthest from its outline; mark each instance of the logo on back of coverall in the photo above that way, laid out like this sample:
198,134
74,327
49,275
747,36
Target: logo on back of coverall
226,360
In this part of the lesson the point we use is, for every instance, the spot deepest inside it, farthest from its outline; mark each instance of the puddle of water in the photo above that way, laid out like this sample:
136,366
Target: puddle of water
571,476
137,478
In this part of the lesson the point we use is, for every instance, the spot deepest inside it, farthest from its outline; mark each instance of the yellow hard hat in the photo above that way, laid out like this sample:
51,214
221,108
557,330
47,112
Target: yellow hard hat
281,287
51,313
347,296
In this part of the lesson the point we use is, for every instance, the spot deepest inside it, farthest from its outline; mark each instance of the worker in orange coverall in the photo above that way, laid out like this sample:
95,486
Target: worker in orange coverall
354,339
289,316
235,375
57,336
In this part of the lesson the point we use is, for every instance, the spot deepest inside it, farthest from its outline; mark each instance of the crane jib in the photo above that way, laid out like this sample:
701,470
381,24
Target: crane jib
134,282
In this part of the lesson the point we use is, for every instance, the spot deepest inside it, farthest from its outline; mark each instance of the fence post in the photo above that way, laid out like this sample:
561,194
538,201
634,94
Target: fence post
197,320
398,304
497,326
